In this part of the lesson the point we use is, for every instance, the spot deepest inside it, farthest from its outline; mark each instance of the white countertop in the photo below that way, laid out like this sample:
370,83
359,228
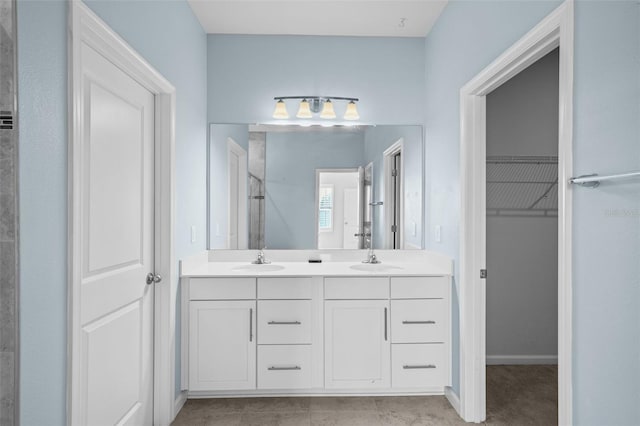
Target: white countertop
237,269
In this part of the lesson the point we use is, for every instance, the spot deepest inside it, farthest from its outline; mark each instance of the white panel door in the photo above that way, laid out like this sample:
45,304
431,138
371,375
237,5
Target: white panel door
351,219
222,345
237,197
117,246
234,163
357,349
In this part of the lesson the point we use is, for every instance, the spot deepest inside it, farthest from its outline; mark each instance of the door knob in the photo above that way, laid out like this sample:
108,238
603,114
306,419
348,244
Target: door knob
153,278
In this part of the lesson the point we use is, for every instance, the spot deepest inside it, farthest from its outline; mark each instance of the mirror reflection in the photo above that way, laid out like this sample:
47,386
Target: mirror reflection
293,187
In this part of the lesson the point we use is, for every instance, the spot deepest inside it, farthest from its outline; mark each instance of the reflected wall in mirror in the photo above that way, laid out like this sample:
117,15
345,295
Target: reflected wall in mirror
315,187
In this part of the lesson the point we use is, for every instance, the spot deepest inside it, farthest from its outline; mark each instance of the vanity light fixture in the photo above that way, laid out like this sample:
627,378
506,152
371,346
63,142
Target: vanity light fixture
327,110
305,110
281,110
310,105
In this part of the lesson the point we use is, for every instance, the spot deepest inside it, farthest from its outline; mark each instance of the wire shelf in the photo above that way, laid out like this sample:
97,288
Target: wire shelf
522,185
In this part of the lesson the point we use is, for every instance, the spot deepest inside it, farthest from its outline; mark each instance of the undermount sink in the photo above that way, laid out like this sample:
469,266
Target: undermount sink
254,267
374,267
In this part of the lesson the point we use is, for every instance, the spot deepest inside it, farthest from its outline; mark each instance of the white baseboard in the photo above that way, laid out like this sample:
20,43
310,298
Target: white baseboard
453,398
179,403
521,359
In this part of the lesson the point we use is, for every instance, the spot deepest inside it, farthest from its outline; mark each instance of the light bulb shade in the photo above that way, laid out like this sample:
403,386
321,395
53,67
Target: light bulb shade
327,110
281,110
304,111
352,112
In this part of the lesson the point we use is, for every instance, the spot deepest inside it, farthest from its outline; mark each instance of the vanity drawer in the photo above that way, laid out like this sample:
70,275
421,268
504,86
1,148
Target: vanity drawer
419,287
222,288
284,288
284,367
419,366
356,288
418,321
284,321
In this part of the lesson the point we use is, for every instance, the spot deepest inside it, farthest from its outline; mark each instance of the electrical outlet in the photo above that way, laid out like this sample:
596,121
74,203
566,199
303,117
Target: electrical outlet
438,233
193,234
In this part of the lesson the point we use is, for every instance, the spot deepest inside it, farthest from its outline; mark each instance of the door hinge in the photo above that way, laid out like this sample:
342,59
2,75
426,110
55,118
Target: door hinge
394,172
394,228
483,273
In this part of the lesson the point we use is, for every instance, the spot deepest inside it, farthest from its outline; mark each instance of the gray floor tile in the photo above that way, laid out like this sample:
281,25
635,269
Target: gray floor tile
346,403
346,418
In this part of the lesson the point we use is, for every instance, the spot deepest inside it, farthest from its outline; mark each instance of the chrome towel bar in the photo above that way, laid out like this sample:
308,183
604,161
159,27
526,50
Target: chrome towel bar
593,180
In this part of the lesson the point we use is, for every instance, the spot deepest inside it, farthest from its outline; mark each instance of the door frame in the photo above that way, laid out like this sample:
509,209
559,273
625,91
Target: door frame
86,28
317,195
388,164
556,30
243,231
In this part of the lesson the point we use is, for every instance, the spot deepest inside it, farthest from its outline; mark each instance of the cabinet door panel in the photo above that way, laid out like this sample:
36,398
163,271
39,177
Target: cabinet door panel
284,321
222,345
418,321
284,366
420,365
357,351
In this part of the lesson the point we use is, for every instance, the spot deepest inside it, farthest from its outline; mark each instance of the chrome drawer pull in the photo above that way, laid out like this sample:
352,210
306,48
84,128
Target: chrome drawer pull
419,322
274,368
385,324
415,367
284,323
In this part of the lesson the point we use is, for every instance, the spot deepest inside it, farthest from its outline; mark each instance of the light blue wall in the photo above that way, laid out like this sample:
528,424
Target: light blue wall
168,35
606,224
377,140
218,178
42,91
466,38
246,72
290,181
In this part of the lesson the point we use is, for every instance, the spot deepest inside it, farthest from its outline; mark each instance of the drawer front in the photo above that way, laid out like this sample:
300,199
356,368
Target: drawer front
284,367
222,288
419,366
419,287
356,288
284,288
418,321
284,322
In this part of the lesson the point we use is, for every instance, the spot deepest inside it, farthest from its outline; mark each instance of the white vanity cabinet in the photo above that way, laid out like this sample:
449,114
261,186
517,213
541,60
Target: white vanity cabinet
285,309
357,338
316,335
420,330
222,337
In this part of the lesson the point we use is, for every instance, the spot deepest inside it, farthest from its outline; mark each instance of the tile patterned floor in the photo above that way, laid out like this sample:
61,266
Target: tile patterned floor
516,395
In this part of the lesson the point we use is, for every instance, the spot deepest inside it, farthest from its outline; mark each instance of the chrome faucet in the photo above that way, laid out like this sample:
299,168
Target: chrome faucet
371,257
261,259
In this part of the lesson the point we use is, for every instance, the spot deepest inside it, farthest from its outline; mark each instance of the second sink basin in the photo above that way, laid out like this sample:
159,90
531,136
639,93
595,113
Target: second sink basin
374,267
252,267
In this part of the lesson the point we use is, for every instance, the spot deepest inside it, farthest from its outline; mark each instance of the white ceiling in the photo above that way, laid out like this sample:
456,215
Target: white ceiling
390,18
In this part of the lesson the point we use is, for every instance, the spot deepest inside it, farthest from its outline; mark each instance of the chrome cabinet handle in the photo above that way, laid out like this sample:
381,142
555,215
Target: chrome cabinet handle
284,323
385,324
251,324
274,368
419,322
415,367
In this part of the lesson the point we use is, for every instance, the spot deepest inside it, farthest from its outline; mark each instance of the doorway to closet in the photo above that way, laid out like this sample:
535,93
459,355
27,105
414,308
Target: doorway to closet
522,245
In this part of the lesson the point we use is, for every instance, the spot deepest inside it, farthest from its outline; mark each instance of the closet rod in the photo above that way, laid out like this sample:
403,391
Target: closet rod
593,180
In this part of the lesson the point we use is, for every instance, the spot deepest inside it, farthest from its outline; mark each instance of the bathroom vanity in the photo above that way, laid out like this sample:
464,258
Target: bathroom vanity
297,328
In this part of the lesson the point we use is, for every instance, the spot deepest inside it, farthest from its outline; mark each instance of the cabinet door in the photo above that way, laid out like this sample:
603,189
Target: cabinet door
222,345
357,349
